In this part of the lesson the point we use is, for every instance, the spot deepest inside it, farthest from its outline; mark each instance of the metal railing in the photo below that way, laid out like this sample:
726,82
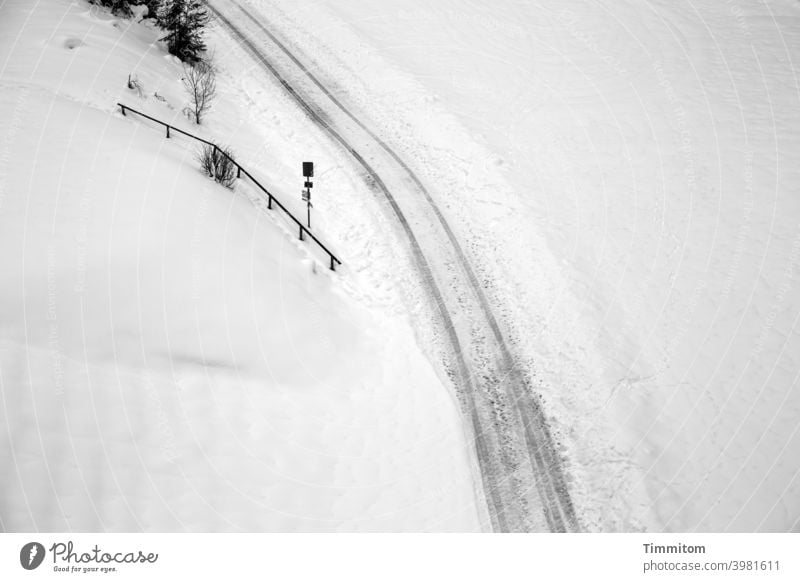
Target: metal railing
239,171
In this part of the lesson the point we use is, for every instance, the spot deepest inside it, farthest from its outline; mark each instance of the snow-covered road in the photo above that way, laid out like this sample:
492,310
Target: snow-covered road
651,145
521,472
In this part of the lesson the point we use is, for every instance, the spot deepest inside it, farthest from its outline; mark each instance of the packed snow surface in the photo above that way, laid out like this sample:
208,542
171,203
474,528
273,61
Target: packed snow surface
653,146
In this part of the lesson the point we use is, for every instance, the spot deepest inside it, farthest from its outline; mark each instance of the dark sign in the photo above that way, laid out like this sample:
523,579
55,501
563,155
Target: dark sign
308,169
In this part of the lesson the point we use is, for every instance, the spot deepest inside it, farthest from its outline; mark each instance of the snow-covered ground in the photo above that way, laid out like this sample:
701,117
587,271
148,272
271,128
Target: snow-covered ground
171,357
624,174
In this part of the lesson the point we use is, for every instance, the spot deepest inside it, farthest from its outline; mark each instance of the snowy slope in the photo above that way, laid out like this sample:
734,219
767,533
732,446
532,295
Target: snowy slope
623,174
171,358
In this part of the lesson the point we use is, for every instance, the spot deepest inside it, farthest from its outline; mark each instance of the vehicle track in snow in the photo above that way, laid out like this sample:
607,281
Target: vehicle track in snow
521,474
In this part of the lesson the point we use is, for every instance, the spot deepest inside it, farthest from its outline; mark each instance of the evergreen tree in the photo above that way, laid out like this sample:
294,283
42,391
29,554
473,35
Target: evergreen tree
118,7
184,21
153,8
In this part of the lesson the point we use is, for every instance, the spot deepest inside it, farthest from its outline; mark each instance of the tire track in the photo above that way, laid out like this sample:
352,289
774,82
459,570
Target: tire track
498,513
513,444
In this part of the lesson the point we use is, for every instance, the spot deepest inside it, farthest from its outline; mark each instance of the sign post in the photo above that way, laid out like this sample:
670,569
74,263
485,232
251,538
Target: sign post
308,173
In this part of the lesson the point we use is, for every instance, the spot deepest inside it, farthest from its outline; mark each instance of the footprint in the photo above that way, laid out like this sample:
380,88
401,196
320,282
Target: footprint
73,43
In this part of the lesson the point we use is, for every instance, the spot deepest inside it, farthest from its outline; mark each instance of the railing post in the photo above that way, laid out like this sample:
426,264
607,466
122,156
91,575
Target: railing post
302,230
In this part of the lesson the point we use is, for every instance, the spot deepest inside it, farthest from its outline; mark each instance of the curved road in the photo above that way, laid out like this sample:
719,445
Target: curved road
523,482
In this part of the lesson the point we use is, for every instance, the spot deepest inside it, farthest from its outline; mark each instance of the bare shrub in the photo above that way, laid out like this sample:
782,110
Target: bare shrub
201,84
134,84
218,163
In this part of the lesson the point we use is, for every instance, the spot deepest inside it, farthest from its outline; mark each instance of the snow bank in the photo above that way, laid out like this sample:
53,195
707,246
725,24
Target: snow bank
171,358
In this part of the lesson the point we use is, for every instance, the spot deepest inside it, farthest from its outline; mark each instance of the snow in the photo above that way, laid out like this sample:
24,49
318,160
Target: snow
171,357
624,175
